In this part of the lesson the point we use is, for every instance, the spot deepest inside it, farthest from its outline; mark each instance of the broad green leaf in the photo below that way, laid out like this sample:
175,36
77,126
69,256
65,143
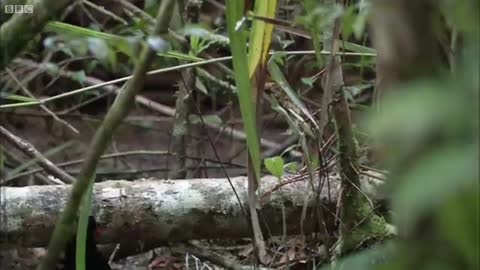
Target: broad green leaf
240,65
83,227
275,165
434,179
460,224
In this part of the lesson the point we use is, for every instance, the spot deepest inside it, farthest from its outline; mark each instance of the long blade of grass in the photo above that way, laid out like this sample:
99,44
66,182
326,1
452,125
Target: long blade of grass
81,239
239,52
261,35
119,42
17,97
66,28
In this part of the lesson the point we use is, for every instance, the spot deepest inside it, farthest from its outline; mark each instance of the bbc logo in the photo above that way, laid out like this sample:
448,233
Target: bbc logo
18,9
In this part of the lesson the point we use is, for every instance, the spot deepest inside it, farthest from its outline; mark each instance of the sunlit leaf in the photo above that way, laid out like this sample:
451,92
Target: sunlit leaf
275,165
261,34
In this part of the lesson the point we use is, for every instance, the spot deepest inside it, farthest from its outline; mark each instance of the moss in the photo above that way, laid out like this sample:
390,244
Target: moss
372,228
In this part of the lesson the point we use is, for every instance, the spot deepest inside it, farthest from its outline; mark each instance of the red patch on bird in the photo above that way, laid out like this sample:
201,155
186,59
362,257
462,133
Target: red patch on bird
99,231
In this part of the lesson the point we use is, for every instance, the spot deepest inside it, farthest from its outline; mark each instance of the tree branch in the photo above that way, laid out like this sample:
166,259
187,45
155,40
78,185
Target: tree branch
102,138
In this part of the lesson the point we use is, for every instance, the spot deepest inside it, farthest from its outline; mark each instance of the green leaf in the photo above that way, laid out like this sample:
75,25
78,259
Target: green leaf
369,259
275,165
83,227
361,19
240,65
17,97
291,167
308,80
261,35
348,18
459,222
350,46
180,56
70,29
433,180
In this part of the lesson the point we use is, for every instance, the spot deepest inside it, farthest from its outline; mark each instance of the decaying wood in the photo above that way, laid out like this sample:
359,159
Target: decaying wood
147,213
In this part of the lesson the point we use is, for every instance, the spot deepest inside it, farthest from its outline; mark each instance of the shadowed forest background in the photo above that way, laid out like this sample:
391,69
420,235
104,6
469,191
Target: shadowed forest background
211,134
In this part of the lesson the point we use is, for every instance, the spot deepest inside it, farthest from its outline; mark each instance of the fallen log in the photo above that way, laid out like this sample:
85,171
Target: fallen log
149,213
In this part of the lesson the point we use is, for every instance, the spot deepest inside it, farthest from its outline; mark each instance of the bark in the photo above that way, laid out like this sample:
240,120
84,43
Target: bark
151,212
358,221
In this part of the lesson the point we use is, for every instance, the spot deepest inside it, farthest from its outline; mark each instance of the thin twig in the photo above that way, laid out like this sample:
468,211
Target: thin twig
30,151
101,9
237,134
24,89
212,257
158,71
